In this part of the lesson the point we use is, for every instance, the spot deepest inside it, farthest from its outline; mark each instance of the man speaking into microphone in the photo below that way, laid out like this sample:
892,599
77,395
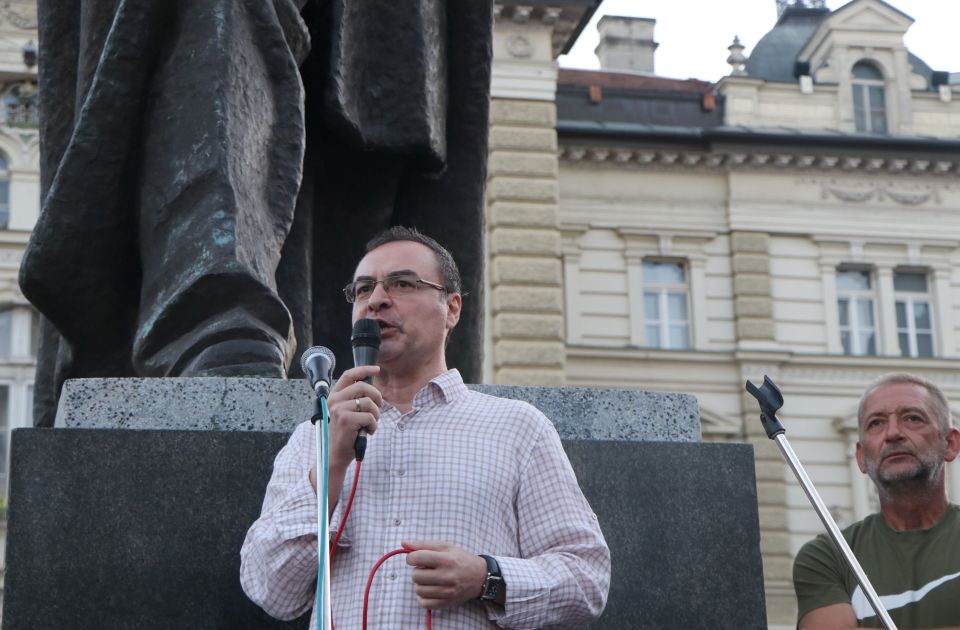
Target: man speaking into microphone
476,488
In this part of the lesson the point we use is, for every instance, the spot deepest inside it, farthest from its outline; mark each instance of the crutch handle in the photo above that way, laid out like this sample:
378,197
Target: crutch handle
770,399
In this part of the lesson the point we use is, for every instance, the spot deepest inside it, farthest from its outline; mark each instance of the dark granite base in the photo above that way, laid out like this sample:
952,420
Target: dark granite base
114,529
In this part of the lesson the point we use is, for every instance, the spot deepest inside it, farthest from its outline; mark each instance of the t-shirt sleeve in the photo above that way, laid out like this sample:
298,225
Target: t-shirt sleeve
818,576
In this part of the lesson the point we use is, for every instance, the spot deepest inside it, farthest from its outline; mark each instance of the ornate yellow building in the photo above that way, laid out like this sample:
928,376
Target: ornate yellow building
800,218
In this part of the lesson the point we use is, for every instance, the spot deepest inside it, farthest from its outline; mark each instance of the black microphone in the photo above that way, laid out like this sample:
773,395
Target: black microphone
318,363
365,340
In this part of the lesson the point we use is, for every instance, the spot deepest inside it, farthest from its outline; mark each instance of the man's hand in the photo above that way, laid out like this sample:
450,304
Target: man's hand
352,405
445,575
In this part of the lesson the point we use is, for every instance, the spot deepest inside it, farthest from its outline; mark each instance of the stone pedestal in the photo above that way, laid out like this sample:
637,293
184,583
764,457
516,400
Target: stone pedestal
120,528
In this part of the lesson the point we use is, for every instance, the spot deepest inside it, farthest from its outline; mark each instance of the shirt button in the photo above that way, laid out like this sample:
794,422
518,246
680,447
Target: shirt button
402,427
393,576
401,472
396,522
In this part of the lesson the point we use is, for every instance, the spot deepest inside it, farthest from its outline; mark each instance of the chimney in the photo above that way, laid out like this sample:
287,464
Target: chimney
626,43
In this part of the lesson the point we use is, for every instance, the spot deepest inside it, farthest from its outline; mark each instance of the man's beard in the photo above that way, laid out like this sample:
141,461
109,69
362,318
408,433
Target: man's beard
927,467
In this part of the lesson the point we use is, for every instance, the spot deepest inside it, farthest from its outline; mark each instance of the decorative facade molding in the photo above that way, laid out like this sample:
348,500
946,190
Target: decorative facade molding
912,194
943,375
563,19
19,14
761,161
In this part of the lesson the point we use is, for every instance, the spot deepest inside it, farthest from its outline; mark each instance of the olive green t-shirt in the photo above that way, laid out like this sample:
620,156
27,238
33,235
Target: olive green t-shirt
916,573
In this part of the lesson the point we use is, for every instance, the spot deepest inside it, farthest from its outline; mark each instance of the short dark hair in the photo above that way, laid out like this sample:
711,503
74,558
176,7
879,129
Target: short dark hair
445,263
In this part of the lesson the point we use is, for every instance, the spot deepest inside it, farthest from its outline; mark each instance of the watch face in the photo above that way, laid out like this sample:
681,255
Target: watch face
491,587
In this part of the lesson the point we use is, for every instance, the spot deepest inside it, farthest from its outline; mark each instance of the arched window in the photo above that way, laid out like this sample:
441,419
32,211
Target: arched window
869,106
4,193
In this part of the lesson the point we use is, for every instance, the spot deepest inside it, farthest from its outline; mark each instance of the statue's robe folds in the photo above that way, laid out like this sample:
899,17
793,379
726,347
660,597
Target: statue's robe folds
211,171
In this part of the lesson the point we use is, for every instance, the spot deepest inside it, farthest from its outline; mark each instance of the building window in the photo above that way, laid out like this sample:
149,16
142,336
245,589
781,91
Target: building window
914,316
4,447
20,106
34,333
665,305
4,193
869,107
855,304
6,332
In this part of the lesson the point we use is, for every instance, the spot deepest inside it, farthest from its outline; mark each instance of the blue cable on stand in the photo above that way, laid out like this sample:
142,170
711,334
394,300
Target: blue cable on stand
322,605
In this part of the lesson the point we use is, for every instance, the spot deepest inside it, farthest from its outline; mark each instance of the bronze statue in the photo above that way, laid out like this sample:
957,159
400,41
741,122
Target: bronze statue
210,171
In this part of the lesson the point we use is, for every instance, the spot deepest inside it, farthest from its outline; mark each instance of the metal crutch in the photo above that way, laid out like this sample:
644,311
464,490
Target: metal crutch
770,400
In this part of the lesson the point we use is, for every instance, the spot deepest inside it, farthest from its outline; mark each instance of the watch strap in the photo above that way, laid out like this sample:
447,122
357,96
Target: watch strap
494,583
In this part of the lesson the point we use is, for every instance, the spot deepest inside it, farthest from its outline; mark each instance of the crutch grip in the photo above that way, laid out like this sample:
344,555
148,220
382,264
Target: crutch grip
770,399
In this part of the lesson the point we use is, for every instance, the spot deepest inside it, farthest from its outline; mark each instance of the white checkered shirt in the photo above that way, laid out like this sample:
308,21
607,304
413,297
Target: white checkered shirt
484,473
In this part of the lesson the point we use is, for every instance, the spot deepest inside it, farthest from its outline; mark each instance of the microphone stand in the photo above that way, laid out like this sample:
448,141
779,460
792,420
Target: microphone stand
770,399
319,418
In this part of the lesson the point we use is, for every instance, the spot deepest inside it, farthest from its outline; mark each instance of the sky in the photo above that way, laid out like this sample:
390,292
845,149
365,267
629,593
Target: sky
694,34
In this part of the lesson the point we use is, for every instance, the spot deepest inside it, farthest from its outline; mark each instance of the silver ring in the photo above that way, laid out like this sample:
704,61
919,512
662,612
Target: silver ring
356,402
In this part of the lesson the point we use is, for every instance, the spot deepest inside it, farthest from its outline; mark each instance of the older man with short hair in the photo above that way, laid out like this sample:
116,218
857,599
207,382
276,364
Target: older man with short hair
910,550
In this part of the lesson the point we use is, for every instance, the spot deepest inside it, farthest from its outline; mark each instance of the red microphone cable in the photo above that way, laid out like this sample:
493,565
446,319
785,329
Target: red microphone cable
366,593
346,511
376,567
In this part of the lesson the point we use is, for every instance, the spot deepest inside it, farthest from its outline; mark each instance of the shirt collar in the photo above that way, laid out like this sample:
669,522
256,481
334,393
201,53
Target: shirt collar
446,388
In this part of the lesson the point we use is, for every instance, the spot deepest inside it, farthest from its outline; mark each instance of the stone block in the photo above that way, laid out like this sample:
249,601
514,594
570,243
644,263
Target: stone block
523,214
156,519
763,447
134,529
751,263
522,270
773,517
756,242
523,139
610,414
522,189
533,353
770,470
235,404
529,113
751,284
748,306
525,241
527,299
778,567
710,523
514,164
781,610
774,542
280,405
771,493
755,328
528,326
554,377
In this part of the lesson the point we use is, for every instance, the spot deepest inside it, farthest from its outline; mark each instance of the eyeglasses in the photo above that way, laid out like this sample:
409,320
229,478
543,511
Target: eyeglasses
394,285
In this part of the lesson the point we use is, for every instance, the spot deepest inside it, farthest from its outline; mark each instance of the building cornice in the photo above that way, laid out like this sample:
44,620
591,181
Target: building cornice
567,18
756,158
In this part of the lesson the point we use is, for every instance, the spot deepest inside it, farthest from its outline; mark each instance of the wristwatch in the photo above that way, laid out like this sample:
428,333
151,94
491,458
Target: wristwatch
494,584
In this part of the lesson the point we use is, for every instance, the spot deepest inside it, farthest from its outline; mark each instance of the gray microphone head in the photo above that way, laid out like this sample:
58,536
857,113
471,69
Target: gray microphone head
318,363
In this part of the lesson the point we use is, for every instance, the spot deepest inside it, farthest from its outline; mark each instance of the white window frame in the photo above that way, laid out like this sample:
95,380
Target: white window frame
910,299
5,200
863,86
662,291
853,327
